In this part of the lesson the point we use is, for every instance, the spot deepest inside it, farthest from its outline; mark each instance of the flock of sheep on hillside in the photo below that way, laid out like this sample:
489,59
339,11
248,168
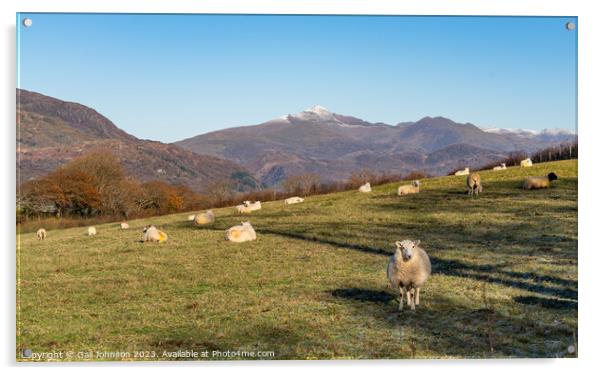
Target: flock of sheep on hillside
408,268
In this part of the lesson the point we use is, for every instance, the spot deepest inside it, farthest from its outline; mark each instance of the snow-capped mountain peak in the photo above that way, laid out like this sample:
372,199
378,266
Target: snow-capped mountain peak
318,109
523,132
316,113
557,131
529,132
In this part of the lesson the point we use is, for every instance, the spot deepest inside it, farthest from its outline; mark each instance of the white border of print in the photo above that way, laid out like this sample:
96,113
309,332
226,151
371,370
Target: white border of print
590,131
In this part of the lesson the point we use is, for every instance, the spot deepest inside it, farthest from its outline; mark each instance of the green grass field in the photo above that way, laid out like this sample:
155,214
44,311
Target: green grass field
313,285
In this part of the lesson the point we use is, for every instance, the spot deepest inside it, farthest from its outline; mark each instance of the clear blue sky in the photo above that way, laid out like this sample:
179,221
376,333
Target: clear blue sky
169,77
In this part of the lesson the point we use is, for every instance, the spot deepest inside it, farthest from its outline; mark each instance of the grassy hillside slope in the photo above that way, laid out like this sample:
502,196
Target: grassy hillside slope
313,285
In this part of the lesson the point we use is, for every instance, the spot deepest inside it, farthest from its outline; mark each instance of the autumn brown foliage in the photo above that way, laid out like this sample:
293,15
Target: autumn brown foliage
95,185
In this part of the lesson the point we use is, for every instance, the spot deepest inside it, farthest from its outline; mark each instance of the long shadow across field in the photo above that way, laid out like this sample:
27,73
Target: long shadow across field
450,330
481,272
443,236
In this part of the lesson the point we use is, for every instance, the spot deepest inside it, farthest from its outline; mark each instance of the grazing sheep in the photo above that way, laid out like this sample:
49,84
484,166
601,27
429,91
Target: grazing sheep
41,233
542,182
473,181
204,218
191,217
526,163
293,200
462,172
414,188
365,188
408,270
91,231
124,226
500,167
241,233
152,234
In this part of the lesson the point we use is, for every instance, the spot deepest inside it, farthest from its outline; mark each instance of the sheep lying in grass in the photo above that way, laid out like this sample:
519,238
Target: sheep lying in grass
124,226
293,200
91,231
526,163
191,217
500,167
414,188
473,181
41,233
253,206
241,233
152,234
542,182
462,172
408,270
204,218
242,209
365,188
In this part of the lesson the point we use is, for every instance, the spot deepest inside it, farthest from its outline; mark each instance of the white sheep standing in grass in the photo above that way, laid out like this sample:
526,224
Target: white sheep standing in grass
408,270
191,217
526,163
124,226
293,200
41,234
473,182
542,182
204,218
152,234
500,167
462,172
91,231
241,233
365,188
414,188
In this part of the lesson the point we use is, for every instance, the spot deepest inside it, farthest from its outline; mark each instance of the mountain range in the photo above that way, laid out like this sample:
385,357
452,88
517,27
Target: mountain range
334,145
51,132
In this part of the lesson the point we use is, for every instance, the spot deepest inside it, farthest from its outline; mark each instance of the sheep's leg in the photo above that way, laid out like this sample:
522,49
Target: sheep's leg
401,293
417,296
411,293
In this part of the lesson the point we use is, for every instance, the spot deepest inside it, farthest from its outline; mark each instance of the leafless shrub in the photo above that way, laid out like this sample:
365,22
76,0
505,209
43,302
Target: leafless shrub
303,184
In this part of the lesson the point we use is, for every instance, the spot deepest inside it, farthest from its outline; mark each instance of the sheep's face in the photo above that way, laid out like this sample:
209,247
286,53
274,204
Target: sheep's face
407,248
246,223
552,176
148,227
416,183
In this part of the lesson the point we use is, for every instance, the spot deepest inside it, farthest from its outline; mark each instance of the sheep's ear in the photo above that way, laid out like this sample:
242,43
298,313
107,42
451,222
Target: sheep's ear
416,243
398,243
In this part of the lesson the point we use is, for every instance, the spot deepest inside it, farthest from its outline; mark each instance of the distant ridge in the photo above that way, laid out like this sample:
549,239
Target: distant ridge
51,132
334,145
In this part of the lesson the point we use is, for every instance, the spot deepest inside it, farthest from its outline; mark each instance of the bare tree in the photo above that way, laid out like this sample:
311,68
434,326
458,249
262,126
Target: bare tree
219,191
302,184
360,177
